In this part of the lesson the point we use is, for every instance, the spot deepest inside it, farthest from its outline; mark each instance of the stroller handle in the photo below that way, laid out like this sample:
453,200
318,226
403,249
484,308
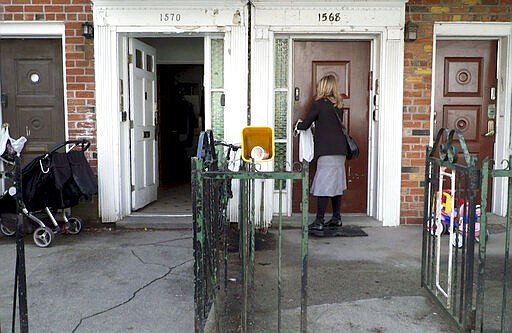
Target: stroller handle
83,142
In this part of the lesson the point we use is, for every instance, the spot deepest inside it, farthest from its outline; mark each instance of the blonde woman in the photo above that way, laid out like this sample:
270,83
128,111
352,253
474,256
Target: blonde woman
330,152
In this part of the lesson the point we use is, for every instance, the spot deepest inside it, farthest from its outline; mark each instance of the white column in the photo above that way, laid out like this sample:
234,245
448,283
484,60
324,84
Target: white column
107,118
235,83
390,129
263,112
261,82
235,87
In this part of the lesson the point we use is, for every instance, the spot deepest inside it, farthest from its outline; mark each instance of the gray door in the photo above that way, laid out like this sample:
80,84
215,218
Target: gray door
32,92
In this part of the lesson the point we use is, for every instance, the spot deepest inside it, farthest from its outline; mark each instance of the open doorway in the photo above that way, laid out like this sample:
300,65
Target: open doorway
180,105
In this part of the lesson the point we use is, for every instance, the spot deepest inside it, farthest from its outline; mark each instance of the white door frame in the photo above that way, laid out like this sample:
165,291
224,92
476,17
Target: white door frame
372,171
503,143
385,30
38,30
385,20
113,22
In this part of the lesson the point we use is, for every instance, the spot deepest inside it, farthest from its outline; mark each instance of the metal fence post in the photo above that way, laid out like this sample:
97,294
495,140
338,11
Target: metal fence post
304,248
208,242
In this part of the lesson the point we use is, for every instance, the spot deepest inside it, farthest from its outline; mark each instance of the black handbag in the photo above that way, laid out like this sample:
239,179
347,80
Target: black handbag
352,148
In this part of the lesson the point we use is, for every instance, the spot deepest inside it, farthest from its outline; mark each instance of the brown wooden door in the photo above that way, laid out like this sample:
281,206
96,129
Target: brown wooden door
350,63
32,89
465,96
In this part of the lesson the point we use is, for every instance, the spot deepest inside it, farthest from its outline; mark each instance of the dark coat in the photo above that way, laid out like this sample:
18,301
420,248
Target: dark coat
328,133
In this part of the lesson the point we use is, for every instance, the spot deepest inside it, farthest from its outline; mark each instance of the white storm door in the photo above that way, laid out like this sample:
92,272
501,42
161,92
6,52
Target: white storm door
143,144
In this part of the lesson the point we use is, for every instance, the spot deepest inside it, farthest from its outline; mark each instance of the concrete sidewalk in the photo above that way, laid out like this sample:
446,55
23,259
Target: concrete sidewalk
138,277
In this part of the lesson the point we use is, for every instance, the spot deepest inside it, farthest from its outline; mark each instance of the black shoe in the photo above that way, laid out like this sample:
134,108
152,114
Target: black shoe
334,222
318,224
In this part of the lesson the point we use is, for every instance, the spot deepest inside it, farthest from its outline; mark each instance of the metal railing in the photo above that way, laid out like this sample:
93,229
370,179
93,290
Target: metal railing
494,303
455,235
13,172
220,304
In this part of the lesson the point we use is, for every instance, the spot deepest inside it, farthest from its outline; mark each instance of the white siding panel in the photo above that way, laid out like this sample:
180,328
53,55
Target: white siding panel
235,85
109,180
390,133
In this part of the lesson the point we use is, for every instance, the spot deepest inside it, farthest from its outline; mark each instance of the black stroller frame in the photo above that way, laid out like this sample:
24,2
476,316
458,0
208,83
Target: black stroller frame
11,155
52,182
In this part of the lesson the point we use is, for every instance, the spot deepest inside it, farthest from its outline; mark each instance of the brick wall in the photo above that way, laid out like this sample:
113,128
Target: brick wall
79,58
418,84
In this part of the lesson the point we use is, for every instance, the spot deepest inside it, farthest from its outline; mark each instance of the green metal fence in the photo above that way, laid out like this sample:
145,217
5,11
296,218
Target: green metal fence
455,238
13,173
220,305
494,303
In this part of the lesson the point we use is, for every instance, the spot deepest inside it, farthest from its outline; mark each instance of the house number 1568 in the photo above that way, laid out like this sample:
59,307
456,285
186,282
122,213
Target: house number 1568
331,17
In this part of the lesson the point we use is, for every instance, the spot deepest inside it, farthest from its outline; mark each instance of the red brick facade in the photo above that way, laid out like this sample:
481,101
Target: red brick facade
79,58
418,84
417,69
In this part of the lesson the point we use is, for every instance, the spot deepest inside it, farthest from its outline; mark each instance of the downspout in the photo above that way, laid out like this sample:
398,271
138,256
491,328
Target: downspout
249,36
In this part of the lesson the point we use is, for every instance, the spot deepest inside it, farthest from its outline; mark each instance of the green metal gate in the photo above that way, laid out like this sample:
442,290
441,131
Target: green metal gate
456,237
215,298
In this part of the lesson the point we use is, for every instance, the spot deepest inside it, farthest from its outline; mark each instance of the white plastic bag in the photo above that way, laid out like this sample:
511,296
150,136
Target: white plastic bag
306,145
10,146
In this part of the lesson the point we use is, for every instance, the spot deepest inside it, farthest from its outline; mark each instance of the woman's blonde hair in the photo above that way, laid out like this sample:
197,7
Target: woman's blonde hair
328,88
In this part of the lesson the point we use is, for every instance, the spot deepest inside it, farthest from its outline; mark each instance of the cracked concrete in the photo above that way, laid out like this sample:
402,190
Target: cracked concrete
141,280
104,281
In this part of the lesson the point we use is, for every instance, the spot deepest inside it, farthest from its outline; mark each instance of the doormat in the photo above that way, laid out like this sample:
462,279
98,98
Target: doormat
344,231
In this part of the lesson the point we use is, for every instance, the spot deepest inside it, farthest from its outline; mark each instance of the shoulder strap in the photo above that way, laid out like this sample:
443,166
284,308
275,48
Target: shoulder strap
343,129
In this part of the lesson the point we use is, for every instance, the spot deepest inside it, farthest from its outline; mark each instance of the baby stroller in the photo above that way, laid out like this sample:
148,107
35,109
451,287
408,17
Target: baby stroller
52,182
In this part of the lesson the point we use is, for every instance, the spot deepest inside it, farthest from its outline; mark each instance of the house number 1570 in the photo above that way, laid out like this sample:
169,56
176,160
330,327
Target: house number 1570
170,17
331,17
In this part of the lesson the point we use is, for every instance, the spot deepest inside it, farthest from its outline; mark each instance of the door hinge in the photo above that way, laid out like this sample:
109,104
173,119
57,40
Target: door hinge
132,124
133,188
130,58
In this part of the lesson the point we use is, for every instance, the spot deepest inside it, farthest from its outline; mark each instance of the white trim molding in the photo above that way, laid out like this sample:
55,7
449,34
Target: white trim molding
37,29
376,21
502,32
114,20
380,21
13,29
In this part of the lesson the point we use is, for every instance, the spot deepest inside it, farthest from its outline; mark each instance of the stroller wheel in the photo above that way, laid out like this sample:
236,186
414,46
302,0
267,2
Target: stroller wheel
6,231
436,228
74,225
43,236
458,240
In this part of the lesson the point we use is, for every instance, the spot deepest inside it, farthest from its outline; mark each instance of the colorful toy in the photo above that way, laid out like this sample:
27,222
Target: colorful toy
441,225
